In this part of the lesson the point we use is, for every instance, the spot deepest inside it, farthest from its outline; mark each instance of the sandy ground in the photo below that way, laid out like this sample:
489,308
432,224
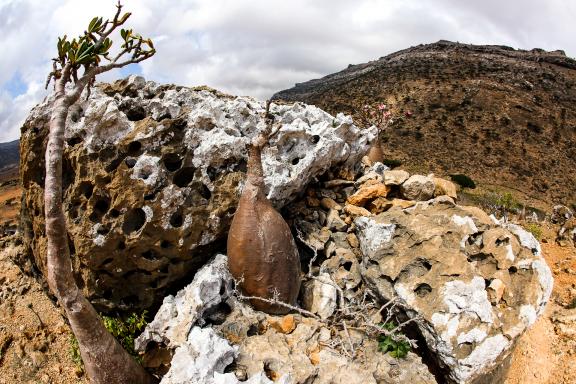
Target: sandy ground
546,354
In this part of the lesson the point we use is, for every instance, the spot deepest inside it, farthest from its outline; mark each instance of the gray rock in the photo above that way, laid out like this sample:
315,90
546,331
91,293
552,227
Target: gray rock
334,222
154,173
320,296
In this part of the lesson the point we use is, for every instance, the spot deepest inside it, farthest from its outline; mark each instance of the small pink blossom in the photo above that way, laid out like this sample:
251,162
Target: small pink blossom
381,107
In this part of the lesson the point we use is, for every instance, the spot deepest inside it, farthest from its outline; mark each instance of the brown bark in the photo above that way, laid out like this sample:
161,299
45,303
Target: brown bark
105,360
262,254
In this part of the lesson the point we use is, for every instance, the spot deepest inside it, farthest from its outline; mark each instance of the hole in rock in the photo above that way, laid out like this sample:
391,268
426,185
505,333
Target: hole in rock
121,245
150,196
165,244
295,160
106,262
107,294
252,330
172,162
504,241
150,255
164,269
130,162
95,217
205,192
212,173
102,206
103,230
183,177
133,220
180,124
347,265
512,269
133,112
217,314
315,139
176,220
73,141
114,213
134,148
423,289
86,188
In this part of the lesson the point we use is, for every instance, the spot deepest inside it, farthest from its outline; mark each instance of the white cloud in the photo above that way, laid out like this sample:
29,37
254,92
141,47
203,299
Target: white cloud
258,47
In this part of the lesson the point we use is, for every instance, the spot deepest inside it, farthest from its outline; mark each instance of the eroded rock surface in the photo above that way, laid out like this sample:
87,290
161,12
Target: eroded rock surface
475,285
153,173
238,344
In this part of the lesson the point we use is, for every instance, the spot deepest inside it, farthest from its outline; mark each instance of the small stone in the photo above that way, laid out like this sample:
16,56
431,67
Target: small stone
369,176
496,291
334,222
395,177
353,240
355,211
444,187
379,205
284,324
338,183
329,203
319,297
312,201
367,193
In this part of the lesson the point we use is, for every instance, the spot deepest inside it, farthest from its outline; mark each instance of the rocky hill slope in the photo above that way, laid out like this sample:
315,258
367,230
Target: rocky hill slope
502,116
9,157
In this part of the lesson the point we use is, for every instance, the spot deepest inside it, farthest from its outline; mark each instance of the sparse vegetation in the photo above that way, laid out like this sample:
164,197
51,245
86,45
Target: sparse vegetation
391,343
126,330
534,229
75,354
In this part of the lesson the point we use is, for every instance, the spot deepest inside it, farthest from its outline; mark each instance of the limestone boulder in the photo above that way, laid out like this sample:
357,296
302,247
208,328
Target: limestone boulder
152,175
474,286
418,187
395,177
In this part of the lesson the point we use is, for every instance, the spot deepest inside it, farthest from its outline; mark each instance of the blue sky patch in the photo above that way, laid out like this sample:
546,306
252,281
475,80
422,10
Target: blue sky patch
15,86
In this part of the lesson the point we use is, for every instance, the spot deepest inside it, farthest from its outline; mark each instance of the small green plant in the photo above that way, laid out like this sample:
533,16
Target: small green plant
126,330
534,229
463,181
393,343
392,163
75,354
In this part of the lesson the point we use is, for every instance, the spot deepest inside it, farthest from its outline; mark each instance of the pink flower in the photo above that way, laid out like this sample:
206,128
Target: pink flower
381,107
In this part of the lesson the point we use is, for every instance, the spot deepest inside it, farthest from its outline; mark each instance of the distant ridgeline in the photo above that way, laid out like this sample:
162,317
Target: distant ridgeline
9,154
502,116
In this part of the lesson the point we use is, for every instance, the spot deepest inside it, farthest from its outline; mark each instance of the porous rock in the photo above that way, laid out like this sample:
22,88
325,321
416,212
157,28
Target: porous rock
256,352
152,175
446,263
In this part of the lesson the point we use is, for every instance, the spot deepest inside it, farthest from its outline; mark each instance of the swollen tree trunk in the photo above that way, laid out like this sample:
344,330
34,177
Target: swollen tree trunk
262,254
105,360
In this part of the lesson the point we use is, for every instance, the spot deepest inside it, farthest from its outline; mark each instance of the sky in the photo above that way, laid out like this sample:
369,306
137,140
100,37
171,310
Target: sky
259,47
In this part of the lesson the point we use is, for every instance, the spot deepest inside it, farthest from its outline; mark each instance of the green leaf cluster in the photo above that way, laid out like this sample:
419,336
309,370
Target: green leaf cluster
393,342
125,330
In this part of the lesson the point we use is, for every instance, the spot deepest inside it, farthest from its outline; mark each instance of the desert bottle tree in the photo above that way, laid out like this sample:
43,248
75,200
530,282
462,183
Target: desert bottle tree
104,358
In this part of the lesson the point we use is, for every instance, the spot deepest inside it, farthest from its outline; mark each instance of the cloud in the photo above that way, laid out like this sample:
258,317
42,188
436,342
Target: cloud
257,47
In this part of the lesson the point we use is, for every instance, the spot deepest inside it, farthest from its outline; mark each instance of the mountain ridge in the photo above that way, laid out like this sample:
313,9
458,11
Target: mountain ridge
500,115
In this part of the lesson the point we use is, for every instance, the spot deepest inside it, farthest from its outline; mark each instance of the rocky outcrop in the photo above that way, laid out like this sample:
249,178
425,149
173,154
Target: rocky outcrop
217,339
152,177
473,284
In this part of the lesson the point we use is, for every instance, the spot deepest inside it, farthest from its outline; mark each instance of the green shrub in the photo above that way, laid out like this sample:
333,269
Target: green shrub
463,181
126,330
392,163
393,343
75,354
534,229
